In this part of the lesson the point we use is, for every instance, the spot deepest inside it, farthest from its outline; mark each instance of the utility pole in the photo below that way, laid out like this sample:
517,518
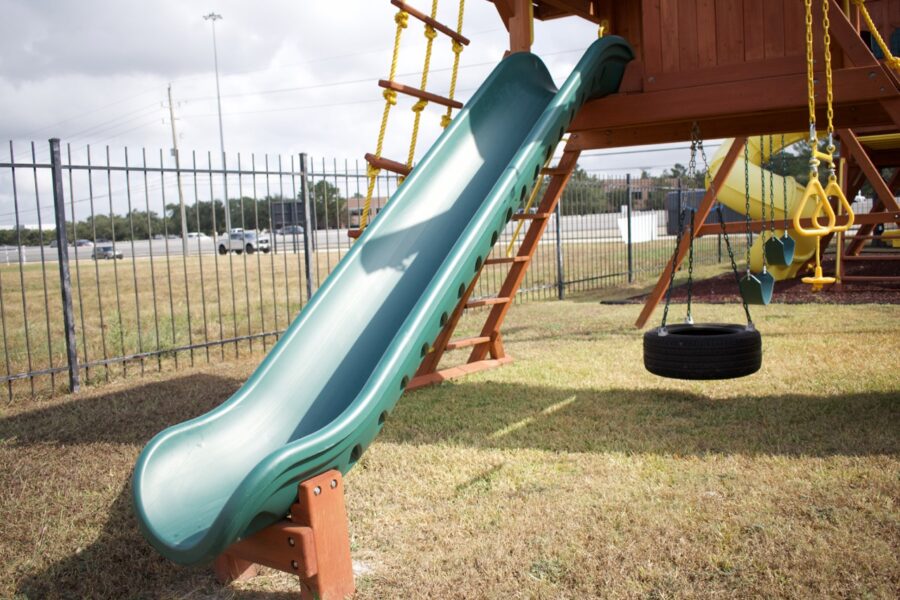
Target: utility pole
213,17
184,233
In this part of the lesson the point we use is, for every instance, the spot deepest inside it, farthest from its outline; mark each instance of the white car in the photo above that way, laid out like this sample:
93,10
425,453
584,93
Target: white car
238,241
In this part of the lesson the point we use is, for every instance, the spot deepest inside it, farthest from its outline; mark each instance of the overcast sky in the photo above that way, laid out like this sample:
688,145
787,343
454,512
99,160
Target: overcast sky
296,76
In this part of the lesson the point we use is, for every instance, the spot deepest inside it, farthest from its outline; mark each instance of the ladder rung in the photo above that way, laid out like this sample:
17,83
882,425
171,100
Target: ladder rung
526,216
429,21
421,94
486,302
387,164
507,260
553,171
467,342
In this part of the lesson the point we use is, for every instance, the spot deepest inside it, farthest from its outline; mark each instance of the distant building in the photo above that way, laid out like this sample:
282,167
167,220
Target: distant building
355,208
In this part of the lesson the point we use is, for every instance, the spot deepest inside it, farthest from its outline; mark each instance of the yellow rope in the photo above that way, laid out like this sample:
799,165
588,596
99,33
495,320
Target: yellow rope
419,106
457,50
527,207
892,61
390,99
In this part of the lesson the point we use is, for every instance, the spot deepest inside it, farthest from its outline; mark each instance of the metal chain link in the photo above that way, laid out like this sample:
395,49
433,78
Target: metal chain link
784,178
689,319
747,198
665,316
762,192
737,278
771,169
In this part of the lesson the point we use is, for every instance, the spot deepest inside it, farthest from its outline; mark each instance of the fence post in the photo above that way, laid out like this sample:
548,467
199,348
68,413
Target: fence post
628,215
62,250
560,274
307,223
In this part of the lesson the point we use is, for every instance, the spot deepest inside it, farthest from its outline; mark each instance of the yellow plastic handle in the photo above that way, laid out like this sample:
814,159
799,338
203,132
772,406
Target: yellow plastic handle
816,192
833,189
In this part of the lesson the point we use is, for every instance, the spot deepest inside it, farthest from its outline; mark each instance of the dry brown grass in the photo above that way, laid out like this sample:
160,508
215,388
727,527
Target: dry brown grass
571,473
180,302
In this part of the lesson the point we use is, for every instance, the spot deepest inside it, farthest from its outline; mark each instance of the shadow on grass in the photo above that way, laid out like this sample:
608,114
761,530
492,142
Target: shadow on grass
120,563
127,416
646,421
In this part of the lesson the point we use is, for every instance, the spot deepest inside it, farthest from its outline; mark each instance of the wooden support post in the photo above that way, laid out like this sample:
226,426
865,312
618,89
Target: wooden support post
702,212
313,543
521,26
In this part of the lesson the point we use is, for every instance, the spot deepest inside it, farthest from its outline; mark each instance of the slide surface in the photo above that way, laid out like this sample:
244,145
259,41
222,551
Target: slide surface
732,195
321,395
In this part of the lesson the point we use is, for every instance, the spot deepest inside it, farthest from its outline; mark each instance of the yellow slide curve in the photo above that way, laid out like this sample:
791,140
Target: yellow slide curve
731,195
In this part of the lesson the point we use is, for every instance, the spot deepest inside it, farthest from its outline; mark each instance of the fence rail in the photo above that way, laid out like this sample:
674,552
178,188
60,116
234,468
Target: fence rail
114,266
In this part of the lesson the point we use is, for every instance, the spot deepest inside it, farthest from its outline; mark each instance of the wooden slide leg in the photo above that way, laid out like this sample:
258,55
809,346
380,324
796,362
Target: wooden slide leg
231,568
312,543
321,508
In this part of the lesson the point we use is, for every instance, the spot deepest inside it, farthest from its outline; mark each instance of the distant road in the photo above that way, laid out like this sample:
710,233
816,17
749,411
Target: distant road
599,228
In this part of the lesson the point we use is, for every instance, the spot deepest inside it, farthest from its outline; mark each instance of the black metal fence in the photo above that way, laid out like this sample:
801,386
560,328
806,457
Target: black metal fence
114,263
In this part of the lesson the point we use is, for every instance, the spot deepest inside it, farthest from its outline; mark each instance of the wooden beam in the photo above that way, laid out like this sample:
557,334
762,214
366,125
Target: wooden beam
429,21
732,227
844,33
851,143
505,9
709,198
852,85
855,116
586,9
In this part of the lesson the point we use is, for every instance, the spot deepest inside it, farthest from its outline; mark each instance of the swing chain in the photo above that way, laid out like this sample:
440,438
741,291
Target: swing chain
771,184
689,319
734,269
747,199
784,177
665,316
762,194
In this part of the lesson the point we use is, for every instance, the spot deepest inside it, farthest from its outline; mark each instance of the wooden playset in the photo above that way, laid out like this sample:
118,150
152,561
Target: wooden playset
726,68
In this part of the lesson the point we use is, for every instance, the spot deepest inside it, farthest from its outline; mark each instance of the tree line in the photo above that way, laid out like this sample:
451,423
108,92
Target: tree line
329,210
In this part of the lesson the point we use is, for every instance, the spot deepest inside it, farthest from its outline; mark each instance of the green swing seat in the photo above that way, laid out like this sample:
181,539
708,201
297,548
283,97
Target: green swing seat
757,288
779,250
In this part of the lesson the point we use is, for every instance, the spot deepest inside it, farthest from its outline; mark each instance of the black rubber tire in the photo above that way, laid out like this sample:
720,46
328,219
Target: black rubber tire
703,351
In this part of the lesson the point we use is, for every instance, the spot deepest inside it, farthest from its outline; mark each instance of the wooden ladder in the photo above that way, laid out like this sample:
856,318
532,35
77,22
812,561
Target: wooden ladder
487,347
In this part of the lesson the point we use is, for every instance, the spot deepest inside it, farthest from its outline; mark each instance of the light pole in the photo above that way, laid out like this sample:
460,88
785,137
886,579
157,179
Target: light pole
213,17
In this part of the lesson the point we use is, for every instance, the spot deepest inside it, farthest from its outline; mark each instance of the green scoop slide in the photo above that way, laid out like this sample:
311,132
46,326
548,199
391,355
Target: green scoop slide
323,392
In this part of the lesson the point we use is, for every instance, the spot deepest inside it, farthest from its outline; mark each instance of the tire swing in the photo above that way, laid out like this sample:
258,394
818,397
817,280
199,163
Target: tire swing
779,250
701,350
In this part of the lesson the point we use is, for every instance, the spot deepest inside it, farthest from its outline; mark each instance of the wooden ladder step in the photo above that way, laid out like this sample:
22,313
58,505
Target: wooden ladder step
429,21
507,260
486,302
529,216
417,93
387,164
554,171
467,342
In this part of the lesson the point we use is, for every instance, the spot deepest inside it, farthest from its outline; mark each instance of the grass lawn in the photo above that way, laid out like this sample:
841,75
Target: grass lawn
571,473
